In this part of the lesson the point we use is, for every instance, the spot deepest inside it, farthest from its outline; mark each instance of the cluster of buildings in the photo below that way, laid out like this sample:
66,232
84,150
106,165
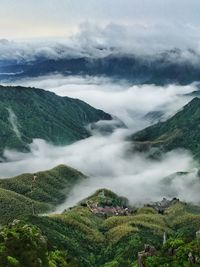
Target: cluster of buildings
110,210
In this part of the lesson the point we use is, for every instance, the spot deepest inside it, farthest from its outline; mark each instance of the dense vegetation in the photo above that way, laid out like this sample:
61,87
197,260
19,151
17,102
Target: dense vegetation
103,230
23,245
28,113
186,254
80,237
36,193
180,131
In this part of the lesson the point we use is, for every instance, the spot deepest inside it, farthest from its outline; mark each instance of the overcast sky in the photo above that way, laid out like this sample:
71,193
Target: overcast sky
59,18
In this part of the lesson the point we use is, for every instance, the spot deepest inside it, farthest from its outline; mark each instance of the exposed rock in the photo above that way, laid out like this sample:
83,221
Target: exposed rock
149,251
191,259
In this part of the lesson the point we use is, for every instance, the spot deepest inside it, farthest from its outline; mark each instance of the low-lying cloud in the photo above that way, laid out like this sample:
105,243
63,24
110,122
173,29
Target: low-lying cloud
129,103
109,164
107,159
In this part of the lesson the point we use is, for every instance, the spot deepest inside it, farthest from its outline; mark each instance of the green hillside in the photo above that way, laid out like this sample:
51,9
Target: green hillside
28,113
13,205
92,234
36,193
180,131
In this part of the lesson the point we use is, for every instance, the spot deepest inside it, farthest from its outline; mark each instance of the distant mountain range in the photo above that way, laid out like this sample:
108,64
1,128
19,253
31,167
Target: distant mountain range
180,131
168,67
28,113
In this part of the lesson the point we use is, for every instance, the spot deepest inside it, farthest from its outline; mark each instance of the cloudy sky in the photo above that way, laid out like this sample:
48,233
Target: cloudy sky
52,18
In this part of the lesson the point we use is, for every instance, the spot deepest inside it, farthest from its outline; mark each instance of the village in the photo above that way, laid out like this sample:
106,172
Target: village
105,206
110,210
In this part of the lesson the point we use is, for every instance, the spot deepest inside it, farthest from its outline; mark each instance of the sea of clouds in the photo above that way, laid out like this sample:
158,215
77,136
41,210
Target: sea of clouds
130,103
106,159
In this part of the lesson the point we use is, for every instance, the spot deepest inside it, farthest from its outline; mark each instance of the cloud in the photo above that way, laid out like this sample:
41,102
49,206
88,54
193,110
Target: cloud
109,164
30,51
36,18
142,38
129,103
107,159
91,40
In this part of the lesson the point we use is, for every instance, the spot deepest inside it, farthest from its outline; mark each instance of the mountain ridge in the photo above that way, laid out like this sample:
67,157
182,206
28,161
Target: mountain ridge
170,66
28,113
35,193
179,131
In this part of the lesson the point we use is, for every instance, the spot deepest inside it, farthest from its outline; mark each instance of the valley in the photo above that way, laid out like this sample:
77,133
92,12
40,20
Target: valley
100,133
102,229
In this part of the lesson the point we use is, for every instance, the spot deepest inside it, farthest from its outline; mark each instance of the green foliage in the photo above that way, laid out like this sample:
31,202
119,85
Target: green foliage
60,259
173,243
22,245
105,197
24,194
12,262
49,186
80,238
42,114
13,205
180,131
180,258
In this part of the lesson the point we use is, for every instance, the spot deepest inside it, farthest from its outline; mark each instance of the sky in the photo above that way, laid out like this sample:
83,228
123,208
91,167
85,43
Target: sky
26,19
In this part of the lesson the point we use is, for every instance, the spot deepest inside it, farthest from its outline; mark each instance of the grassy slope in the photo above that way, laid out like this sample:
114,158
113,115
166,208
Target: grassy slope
42,114
48,190
180,131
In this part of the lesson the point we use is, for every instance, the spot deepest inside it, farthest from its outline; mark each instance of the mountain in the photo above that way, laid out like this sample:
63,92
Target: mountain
180,131
28,113
171,66
36,193
104,230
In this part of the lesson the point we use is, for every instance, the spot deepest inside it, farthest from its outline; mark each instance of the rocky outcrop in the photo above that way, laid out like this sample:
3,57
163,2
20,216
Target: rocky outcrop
149,251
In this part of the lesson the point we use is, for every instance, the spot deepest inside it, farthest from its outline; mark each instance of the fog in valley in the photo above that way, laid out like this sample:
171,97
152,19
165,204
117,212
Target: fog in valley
134,105
108,160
